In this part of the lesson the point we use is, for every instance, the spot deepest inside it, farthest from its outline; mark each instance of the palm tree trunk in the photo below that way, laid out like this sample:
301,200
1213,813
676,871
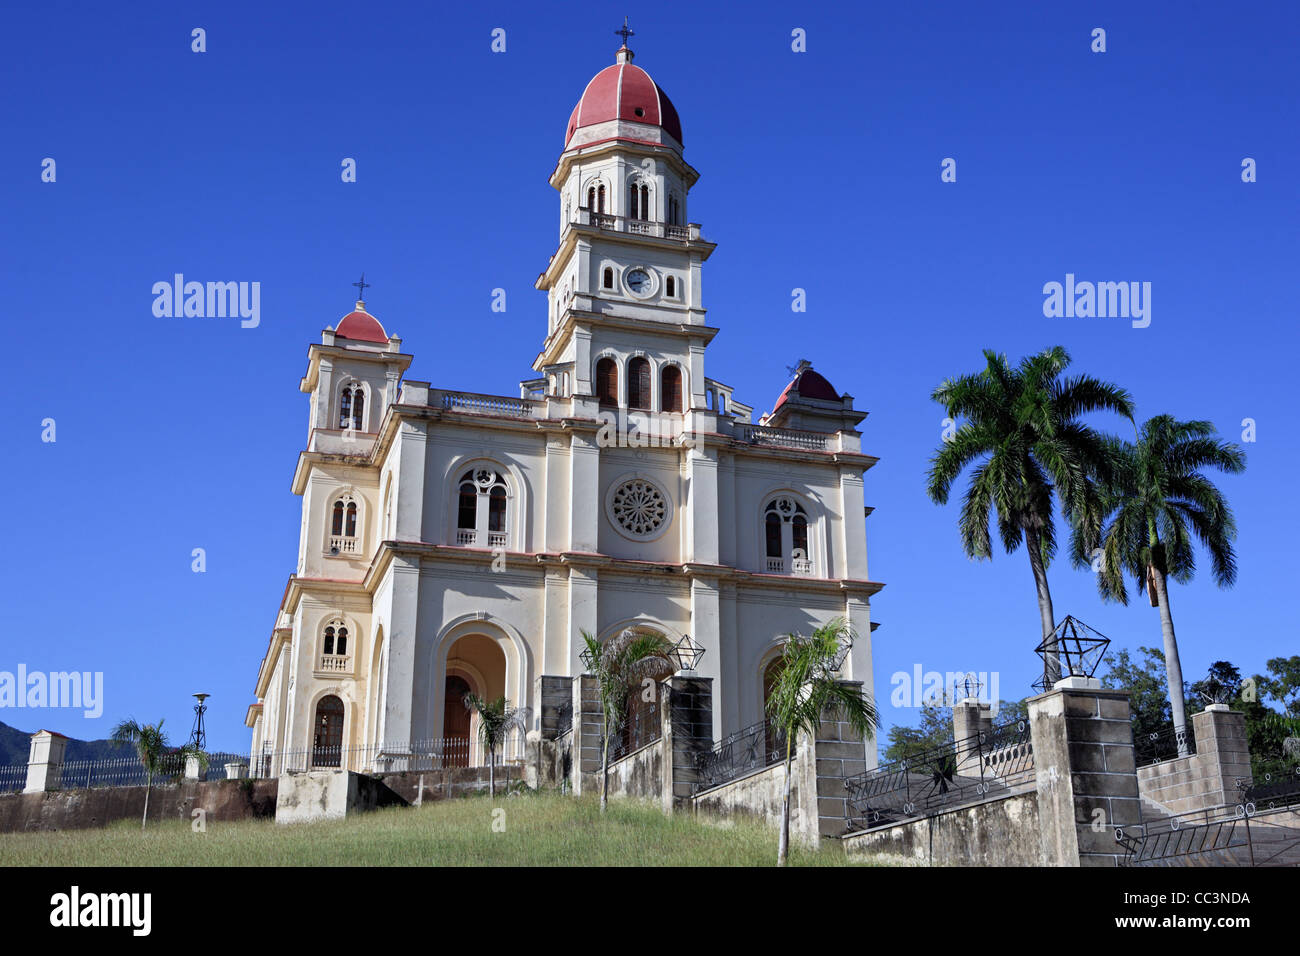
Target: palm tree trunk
492,773
1033,544
783,842
1173,667
148,785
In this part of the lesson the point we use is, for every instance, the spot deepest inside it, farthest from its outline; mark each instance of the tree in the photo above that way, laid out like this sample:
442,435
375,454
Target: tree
152,748
934,731
808,688
620,665
495,719
1156,499
1020,427
1144,681
1284,683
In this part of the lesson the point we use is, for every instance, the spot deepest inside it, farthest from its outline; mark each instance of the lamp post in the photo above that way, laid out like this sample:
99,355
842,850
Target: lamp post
686,654
198,736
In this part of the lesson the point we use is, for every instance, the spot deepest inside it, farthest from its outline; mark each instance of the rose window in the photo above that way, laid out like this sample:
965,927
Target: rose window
639,507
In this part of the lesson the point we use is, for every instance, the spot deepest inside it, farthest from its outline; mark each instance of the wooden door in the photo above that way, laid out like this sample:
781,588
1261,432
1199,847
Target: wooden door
456,723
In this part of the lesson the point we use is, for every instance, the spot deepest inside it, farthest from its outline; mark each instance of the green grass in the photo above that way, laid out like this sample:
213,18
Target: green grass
539,830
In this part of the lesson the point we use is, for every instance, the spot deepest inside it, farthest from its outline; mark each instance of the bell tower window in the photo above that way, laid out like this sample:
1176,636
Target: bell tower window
607,381
608,279
785,534
670,388
638,383
482,509
639,201
343,526
352,408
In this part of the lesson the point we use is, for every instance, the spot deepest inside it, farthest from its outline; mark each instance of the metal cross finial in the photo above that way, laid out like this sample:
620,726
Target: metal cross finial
624,32
362,286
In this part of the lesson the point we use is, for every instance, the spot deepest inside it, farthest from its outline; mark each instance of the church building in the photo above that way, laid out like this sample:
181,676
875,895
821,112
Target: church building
457,542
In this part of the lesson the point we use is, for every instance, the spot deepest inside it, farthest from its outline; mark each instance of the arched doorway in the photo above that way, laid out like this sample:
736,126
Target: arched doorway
327,737
475,664
773,737
456,722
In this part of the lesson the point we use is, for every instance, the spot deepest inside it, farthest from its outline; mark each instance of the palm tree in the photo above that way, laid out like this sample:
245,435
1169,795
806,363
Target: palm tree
1022,427
620,665
152,748
1156,500
807,689
495,719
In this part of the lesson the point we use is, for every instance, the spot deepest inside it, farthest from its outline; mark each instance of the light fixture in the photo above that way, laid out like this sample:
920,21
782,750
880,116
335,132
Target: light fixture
686,654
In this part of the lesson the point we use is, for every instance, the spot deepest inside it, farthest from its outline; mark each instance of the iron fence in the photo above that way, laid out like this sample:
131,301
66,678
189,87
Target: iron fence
755,748
989,763
641,726
1276,786
444,753
1220,836
1168,743
124,771
13,778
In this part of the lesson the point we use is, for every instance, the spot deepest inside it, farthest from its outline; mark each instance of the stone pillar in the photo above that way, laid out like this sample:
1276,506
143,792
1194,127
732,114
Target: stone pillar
587,727
838,752
555,705
1222,752
688,731
193,768
45,761
236,771
1087,781
970,717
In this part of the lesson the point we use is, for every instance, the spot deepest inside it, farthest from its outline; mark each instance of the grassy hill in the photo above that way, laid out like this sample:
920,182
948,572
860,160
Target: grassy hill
532,829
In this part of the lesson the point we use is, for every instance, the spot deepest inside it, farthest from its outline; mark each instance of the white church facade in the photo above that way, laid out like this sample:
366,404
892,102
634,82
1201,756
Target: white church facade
455,541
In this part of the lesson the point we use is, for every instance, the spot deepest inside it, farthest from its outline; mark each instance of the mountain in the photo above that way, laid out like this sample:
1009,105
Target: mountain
15,745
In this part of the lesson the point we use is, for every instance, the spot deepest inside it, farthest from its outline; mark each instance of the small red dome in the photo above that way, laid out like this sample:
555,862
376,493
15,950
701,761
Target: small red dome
624,92
361,326
809,384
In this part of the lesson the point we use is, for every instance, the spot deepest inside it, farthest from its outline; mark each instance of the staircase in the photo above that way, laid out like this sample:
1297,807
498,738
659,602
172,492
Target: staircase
1217,838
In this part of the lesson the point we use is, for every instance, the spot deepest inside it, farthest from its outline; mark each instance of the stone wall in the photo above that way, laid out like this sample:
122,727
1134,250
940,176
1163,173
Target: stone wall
222,800
445,784
311,795
1208,778
644,774
760,794
1001,832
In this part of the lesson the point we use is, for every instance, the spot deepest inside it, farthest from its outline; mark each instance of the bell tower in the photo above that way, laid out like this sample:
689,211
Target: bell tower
625,280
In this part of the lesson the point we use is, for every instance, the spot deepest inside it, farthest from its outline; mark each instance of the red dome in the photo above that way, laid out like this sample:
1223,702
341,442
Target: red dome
361,326
809,384
624,92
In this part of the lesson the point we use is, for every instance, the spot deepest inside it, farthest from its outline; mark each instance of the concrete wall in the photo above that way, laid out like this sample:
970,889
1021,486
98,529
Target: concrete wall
329,795
1208,778
760,795
645,774
997,833
223,800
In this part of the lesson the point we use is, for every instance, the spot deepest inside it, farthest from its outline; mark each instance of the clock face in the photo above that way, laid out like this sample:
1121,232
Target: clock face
637,281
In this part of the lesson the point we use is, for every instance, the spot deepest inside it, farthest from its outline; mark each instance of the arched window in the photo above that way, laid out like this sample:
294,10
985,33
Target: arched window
785,535
609,278
638,201
352,407
670,287
674,211
607,381
334,644
596,198
327,733
344,517
482,508
388,507
638,383
670,388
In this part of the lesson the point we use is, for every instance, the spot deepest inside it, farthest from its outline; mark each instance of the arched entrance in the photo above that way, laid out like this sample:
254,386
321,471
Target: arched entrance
456,722
774,738
327,736
475,664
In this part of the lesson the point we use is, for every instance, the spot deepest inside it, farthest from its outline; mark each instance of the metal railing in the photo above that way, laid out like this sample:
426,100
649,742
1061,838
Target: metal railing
13,777
638,227
445,753
1218,836
978,767
756,747
641,726
1167,743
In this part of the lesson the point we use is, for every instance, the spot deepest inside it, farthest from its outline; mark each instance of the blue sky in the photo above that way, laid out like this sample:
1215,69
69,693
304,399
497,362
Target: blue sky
820,170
